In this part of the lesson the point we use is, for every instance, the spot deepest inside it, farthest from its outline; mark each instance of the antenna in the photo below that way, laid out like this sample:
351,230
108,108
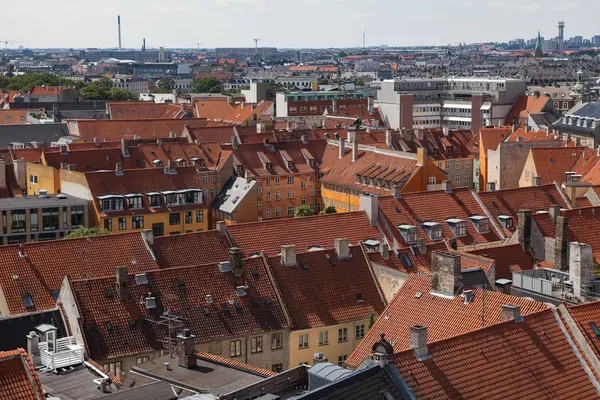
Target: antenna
256,46
198,44
119,26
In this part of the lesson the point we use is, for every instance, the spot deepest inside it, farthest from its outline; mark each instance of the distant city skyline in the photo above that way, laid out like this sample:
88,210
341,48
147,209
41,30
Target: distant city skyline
290,23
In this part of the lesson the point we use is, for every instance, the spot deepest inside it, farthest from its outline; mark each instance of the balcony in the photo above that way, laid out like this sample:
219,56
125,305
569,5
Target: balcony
58,353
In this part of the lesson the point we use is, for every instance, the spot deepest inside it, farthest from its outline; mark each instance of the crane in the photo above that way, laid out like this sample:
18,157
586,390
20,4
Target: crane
198,44
256,45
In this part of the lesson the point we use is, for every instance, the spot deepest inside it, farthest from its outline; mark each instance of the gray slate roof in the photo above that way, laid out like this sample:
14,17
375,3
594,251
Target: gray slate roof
233,193
46,133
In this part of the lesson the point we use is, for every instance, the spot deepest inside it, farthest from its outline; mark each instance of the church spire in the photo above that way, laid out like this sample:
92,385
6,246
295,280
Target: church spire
539,50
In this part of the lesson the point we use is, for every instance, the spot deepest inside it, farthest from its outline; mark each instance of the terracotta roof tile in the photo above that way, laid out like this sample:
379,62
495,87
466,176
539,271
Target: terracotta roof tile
524,106
552,163
305,233
41,271
583,315
444,317
190,249
96,159
114,329
507,259
324,290
18,378
531,359
145,110
228,362
48,89
109,130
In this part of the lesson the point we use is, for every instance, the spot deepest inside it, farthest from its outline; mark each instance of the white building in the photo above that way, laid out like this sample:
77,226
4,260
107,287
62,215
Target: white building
136,86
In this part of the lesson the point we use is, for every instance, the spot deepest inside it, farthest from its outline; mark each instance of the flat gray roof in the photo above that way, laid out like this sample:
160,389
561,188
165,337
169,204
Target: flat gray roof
17,203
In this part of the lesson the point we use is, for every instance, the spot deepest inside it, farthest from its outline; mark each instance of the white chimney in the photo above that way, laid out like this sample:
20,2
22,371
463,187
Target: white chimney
342,248
418,342
288,255
510,311
342,149
354,151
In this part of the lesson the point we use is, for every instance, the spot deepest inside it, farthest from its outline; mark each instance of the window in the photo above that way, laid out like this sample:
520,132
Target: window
277,196
303,200
342,335
174,219
526,174
235,348
137,222
204,178
18,223
158,229
303,341
268,196
467,163
303,185
108,224
259,190
33,179
290,211
141,360
276,341
134,202
359,331
213,192
76,217
323,338
256,344
213,177
155,201
277,180
342,359
290,179
259,205
33,220
200,216
122,223
447,165
302,109
268,181
457,178
291,194
278,212
432,180
277,368
188,217
50,219
114,204
467,178
114,367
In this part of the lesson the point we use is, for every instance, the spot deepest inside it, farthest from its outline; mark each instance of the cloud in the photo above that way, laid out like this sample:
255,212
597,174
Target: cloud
165,8
565,7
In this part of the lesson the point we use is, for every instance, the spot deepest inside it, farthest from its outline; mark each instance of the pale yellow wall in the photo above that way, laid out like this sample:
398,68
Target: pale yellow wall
158,217
528,173
331,351
47,179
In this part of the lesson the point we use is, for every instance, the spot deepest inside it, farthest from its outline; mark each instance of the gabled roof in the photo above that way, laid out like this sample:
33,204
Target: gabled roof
507,258
524,106
584,316
95,159
39,90
210,134
228,362
324,290
438,206
190,249
536,136
37,269
531,359
305,233
242,113
144,110
18,378
552,163
113,328
414,304
211,154
491,137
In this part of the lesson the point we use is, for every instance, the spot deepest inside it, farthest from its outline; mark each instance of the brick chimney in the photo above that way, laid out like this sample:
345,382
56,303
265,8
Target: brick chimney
446,272
171,169
418,342
221,226
581,267
187,352
422,245
121,284
342,148
524,229
235,260
510,311
561,243
342,248
554,212
288,255
447,186
384,250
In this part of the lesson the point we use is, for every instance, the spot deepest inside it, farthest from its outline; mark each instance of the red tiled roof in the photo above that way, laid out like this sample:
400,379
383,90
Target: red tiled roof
145,110
190,249
239,114
215,108
31,155
419,263
13,117
416,208
121,329
307,232
524,106
228,362
48,89
40,273
445,317
507,258
96,159
531,359
583,315
324,290
552,163
211,153
18,378
109,130
490,137
534,136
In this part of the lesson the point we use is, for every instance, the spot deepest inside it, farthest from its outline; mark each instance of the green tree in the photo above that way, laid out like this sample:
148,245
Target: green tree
102,90
359,82
371,320
207,85
166,83
121,95
303,211
27,81
83,232
329,210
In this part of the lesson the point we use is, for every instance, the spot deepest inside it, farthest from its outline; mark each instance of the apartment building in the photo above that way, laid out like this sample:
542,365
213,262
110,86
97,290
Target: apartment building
313,104
457,103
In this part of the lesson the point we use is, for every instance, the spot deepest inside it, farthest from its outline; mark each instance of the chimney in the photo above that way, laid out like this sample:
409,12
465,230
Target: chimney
354,151
524,229
235,260
370,105
554,212
384,250
96,141
125,148
421,156
388,138
342,248
561,243
342,148
121,284
446,272
334,107
537,181
221,226
288,255
418,342
148,236
422,245
370,205
172,135
19,167
446,131
419,133
447,186
396,192
581,267
510,311
260,127
235,143
137,137
187,352
171,169
304,139
2,173
491,186
119,169
33,348
351,134
289,126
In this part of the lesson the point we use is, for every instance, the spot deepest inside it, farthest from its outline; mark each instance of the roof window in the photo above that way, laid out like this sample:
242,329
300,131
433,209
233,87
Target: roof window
458,226
433,230
481,223
409,233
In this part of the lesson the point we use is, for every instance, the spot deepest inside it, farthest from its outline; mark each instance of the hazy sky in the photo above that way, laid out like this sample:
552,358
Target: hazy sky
288,23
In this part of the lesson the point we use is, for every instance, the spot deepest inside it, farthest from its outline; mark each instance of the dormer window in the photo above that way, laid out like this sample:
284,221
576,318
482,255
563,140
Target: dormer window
409,233
372,244
157,163
111,203
155,199
239,168
482,224
506,221
290,164
458,226
192,196
433,230
268,166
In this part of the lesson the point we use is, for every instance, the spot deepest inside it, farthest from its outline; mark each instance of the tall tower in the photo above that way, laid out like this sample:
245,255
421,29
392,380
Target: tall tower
561,36
119,24
539,48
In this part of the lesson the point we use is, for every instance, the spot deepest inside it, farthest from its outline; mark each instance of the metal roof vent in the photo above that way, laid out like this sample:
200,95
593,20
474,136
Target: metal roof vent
61,196
43,193
241,291
468,295
209,299
150,302
225,266
141,279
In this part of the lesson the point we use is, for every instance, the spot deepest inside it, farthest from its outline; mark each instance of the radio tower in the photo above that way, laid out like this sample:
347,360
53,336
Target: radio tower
561,36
